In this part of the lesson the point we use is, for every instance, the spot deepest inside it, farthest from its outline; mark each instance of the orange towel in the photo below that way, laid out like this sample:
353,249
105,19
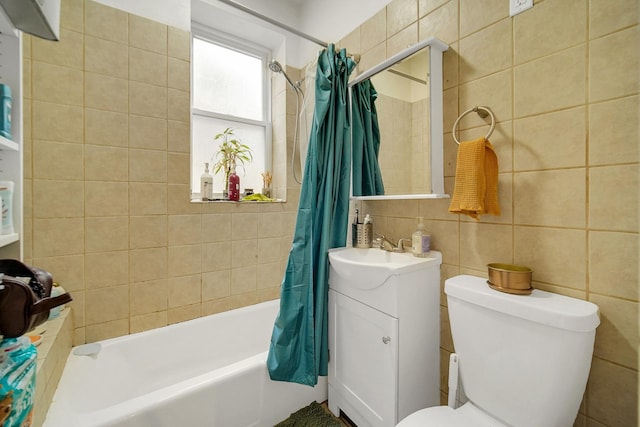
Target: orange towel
476,186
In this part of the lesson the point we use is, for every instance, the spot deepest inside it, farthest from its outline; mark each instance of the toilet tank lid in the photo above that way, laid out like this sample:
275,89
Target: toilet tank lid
542,307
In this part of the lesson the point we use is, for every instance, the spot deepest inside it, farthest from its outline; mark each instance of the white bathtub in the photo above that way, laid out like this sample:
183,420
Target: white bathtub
207,372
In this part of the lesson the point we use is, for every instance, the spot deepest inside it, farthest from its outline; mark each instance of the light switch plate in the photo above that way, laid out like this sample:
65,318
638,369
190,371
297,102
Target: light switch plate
517,6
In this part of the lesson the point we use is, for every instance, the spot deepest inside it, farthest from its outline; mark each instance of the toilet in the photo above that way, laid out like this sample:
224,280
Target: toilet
523,360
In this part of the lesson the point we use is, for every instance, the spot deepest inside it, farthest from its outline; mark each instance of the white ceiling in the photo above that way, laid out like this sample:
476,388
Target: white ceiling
296,2
335,18
326,20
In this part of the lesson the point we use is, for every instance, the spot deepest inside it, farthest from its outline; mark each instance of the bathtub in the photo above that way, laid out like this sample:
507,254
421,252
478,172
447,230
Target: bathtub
207,372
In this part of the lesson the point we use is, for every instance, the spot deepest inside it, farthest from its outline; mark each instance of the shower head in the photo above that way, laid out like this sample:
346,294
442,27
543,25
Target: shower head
276,67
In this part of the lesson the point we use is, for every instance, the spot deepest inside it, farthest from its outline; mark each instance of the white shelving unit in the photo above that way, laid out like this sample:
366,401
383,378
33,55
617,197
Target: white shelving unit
11,153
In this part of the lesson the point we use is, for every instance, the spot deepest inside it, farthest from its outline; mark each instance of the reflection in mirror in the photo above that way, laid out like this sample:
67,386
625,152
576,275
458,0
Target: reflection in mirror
409,111
403,111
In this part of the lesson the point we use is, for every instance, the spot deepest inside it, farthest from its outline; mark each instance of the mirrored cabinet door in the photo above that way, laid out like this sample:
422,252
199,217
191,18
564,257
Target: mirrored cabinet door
408,101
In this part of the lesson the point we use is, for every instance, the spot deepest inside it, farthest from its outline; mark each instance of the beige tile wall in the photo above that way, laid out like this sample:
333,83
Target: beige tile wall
420,147
395,124
404,166
562,80
107,206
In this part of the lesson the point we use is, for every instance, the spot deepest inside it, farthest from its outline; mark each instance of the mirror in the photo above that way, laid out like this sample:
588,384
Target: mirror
409,110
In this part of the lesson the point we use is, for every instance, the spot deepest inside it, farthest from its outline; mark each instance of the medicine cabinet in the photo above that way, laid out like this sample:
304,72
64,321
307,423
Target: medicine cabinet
409,108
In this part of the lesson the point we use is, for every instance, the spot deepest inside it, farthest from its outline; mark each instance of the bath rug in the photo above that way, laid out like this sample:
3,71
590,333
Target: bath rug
313,415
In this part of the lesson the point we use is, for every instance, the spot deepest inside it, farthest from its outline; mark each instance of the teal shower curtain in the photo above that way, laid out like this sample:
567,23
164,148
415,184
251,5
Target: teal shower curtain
298,350
367,179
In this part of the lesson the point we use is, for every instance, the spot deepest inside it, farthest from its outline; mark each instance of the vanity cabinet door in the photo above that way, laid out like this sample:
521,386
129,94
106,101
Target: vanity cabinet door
363,362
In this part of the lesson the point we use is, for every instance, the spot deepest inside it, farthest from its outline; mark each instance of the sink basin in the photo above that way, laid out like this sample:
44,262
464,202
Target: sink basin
369,268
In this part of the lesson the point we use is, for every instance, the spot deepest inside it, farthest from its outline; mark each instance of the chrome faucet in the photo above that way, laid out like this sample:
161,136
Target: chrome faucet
384,243
388,246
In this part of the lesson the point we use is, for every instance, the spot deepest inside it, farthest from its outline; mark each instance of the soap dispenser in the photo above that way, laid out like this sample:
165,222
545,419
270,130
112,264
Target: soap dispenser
420,241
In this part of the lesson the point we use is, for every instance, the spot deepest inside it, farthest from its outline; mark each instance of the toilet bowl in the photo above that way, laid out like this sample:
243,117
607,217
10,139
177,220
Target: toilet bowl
523,360
465,416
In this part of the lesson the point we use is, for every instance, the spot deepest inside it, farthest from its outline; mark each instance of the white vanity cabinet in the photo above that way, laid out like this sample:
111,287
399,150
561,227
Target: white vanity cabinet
11,160
384,345
363,358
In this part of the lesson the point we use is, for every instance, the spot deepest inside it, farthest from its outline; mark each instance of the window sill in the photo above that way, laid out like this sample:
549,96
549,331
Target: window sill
250,202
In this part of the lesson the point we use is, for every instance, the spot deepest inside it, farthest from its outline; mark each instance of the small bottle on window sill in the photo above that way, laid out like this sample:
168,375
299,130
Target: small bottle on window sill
234,185
206,184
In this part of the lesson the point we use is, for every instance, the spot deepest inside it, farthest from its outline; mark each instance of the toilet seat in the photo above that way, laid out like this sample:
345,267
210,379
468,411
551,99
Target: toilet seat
443,416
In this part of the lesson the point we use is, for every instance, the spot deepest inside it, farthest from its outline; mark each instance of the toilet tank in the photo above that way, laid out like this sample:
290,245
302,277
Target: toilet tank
524,360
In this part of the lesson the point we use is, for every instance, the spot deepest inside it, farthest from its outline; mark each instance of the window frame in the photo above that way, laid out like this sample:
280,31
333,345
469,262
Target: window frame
228,41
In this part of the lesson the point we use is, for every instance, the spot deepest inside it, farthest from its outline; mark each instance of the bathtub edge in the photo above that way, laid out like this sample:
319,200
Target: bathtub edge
52,356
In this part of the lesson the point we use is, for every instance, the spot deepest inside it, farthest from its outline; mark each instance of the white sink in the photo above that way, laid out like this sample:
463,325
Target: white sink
369,268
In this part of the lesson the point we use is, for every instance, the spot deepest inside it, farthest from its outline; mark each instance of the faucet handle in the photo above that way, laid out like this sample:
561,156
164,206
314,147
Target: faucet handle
401,247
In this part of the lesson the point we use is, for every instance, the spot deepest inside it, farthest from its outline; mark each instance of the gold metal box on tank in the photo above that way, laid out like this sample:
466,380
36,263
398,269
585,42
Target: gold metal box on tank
509,278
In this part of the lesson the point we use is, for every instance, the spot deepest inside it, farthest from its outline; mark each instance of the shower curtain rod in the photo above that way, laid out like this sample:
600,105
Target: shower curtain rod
273,21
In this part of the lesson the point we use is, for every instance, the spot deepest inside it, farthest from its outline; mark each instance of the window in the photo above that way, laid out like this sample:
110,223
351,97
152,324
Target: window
229,90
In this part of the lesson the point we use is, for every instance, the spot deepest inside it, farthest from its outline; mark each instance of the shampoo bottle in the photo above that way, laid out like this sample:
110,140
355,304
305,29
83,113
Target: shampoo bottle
234,185
5,111
6,192
206,184
420,241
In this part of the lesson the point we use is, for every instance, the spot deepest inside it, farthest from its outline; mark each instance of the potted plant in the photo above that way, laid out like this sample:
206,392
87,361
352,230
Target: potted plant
231,152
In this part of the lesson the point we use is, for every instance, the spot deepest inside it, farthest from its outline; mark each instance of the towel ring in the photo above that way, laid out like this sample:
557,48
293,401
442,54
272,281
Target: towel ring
482,112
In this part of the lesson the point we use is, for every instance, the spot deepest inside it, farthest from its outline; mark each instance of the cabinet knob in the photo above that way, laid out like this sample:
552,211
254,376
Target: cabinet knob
386,340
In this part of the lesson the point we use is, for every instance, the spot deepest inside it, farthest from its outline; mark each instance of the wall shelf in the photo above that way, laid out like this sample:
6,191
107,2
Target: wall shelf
11,155
6,26
6,239
403,197
7,144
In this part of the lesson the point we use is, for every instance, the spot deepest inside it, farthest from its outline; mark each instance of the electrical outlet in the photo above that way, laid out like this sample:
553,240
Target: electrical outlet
517,6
